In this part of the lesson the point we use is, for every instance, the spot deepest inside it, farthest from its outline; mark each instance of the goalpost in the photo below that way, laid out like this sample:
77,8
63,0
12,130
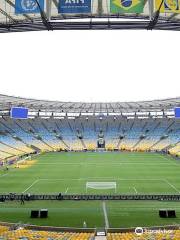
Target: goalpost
23,161
28,157
101,185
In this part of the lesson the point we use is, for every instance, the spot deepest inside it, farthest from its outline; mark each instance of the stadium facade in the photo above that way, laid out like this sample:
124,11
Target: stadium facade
34,15
78,126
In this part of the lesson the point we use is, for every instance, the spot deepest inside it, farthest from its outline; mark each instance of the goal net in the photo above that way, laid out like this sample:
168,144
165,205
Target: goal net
23,161
101,185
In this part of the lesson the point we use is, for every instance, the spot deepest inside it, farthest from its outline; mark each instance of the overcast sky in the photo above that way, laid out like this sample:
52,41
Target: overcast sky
91,65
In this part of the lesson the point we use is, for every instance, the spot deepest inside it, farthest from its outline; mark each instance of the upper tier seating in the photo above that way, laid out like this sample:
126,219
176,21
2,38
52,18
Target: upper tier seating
20,137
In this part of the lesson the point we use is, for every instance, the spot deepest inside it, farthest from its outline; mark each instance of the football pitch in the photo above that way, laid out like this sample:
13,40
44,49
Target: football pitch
68,173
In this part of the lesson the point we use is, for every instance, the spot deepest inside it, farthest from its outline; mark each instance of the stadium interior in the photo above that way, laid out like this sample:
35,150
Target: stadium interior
147,127
150,126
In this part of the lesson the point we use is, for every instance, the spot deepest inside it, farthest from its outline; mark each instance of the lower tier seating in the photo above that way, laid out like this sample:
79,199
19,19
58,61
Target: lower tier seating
164,235
24,234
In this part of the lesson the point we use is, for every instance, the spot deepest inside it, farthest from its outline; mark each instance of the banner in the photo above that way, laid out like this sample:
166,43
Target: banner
126,6
74,6
28,6
171,6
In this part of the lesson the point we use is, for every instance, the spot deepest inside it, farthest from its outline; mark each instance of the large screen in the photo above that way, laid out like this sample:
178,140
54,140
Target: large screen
19,112
177,112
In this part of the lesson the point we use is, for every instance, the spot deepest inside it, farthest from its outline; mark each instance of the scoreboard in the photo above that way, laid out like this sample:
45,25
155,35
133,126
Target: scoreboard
19,113
177,112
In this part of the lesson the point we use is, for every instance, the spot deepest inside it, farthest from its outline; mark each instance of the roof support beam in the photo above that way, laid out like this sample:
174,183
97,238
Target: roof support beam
44,18
55,3
48,9
151,9
155,18
7,15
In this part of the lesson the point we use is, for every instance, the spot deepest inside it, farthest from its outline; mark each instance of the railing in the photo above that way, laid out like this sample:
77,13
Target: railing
87,197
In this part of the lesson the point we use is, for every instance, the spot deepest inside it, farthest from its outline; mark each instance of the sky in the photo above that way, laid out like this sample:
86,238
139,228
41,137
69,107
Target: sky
91,66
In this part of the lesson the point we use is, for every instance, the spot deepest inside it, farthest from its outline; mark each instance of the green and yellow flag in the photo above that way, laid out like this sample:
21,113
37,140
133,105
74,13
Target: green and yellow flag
171,6
126,6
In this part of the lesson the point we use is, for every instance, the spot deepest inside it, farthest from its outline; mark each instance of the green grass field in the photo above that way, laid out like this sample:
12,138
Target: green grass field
134,173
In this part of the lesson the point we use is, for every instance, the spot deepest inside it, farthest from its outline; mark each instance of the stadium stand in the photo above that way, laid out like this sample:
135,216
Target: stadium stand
27,234
20,137
140,126
24,234
58,126
167,235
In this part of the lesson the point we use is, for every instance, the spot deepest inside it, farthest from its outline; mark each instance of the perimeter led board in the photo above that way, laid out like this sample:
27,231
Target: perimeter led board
19,113
177,112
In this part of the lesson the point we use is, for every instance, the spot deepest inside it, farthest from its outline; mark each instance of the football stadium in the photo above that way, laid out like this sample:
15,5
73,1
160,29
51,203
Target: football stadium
78,170
36,15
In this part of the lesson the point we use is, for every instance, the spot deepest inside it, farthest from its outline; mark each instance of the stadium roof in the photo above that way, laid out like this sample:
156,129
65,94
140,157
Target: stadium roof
6,102
35,15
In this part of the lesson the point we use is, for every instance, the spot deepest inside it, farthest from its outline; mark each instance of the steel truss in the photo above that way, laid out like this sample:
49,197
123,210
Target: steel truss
109,24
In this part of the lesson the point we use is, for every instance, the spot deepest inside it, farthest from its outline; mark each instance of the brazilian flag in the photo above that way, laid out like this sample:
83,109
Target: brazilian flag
126,6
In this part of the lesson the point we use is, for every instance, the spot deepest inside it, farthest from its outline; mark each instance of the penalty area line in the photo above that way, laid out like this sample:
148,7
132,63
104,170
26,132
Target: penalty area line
31,186
135,190
171,185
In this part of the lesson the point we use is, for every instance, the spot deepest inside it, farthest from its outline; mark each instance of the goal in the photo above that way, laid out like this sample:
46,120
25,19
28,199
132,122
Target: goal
23,161
101,185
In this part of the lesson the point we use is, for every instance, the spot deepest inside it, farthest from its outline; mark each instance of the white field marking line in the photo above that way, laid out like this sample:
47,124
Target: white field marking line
105,214
169,160
113,164
59,179
135,190
124,179
59,163
31,185
100,162
100,178
63,179
170,184
3,175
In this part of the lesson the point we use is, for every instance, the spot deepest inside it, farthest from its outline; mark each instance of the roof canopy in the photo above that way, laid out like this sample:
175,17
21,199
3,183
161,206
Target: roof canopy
34,15
6,102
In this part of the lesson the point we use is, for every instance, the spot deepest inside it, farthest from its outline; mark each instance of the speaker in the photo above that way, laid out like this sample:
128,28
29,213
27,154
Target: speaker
171,213
43,213
163,213
34,213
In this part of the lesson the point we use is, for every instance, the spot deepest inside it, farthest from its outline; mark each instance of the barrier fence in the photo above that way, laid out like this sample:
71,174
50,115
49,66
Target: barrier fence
86,197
